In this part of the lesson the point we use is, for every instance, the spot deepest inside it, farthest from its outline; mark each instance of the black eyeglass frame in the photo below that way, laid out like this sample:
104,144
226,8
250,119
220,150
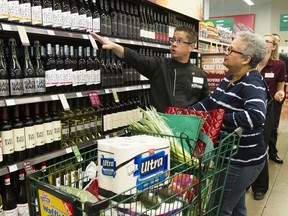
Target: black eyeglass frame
172,40
230,50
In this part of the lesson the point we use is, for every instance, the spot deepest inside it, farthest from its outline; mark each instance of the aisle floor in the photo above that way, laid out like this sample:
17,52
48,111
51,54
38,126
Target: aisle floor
275,202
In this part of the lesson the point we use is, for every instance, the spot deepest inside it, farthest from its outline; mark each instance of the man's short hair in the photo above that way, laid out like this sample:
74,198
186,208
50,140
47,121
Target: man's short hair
192,34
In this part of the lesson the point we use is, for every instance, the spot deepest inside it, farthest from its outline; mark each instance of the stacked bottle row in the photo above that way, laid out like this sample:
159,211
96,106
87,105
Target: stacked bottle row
33,132
116,18
62,68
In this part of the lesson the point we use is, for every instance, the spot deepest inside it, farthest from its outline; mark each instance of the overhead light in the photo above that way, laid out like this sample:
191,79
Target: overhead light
249,2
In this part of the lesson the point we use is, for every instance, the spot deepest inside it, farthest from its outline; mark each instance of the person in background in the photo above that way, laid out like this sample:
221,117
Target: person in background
273,70
244,95
173,81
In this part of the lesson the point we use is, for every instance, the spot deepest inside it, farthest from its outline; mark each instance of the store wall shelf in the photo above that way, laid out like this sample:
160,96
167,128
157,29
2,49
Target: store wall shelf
207,40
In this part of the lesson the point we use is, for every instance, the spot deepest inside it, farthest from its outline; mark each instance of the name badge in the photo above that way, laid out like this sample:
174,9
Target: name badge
269,75
198,80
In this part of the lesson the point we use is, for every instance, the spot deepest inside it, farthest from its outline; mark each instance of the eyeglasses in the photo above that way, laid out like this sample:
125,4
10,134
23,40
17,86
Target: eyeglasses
268,41
230,50
179,41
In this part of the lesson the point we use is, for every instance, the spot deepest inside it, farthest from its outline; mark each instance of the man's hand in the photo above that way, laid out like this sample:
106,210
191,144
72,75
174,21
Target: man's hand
109,45
279,96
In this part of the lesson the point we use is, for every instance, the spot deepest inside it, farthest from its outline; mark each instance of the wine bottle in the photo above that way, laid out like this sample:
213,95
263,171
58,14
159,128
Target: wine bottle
114,19
18,136
28,74
50,70
39,131
108,67
137,22
29,129
75,19
89,68
143,30
56,127
119,19
82,15
96,70
65,130
48,129
89,18
4,9
47,16
66,14
108,17
59,73
81,72
15,71
56,14
124,19
7,137
87,115
68,65
36,12
103,21
22,202
9,199
78,115
114,69
73,56
4,77
72,125
95,16
25,11
40,87
129,20
1,204
133,23
13,10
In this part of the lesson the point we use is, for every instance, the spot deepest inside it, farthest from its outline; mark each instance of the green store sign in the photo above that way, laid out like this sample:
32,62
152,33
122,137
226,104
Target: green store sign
283,22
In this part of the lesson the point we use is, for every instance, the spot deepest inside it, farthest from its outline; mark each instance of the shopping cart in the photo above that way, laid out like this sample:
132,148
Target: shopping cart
191,188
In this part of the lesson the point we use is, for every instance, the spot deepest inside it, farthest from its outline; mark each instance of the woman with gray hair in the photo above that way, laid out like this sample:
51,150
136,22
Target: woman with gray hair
244,96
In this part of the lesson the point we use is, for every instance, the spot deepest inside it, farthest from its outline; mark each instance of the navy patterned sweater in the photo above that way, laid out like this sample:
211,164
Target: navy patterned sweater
245,103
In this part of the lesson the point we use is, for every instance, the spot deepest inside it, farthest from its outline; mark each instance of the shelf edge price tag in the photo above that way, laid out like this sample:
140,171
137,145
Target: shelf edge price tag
79,94
28,167
94,99
115,95
77,153
23,35
64,102
10,102
51,32
6,27
68,150
54,97
93,42
12,168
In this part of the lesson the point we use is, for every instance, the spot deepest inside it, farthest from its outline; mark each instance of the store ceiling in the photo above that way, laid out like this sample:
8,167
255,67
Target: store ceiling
216,7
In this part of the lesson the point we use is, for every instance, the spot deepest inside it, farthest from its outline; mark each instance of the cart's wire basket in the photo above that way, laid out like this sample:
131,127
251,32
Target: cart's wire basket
190,188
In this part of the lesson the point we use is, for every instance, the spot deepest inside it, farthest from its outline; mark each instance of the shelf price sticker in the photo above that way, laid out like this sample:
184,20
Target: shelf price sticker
28,167
23,35
77,153
93,42
6,27
64,102
12,168
115,96
94,99
10,102
51,32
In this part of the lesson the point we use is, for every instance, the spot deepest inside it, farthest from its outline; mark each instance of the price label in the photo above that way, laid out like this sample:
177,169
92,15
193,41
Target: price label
117,40
115,95
10,102
79,94
85,36
94,99
64,102
93,42
77,153
107,91
51,32
68,150
131,42
54,97
23,35
12,168
6,27
28,167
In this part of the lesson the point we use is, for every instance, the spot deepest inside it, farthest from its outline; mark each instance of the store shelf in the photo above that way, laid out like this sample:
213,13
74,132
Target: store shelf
51,155
207,40
53,97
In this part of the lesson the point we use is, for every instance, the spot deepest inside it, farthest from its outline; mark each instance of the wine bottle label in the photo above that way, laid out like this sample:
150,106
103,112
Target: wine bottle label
47,16
73,178
80,176
75,21
50,78
40,84
68,79
16,87
82,76
98,77
59,77
23,209
13,212
65,131
66,19
57,130
30,137
19,139
4,86
57,18
96,24
1,210
48,135
13,10
3,9
29,85
7,142
87,124
66,179
89,24
25,12
39,135
80,128
58,181
89,77
36,14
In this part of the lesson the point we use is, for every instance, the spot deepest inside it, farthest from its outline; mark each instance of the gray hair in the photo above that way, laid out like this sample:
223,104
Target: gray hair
255,47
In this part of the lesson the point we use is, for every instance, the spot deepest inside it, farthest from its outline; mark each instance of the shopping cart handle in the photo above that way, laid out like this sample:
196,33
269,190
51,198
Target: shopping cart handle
239,131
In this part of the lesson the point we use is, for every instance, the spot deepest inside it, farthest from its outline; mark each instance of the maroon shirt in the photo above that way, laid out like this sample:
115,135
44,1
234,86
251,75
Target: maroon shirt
274,72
